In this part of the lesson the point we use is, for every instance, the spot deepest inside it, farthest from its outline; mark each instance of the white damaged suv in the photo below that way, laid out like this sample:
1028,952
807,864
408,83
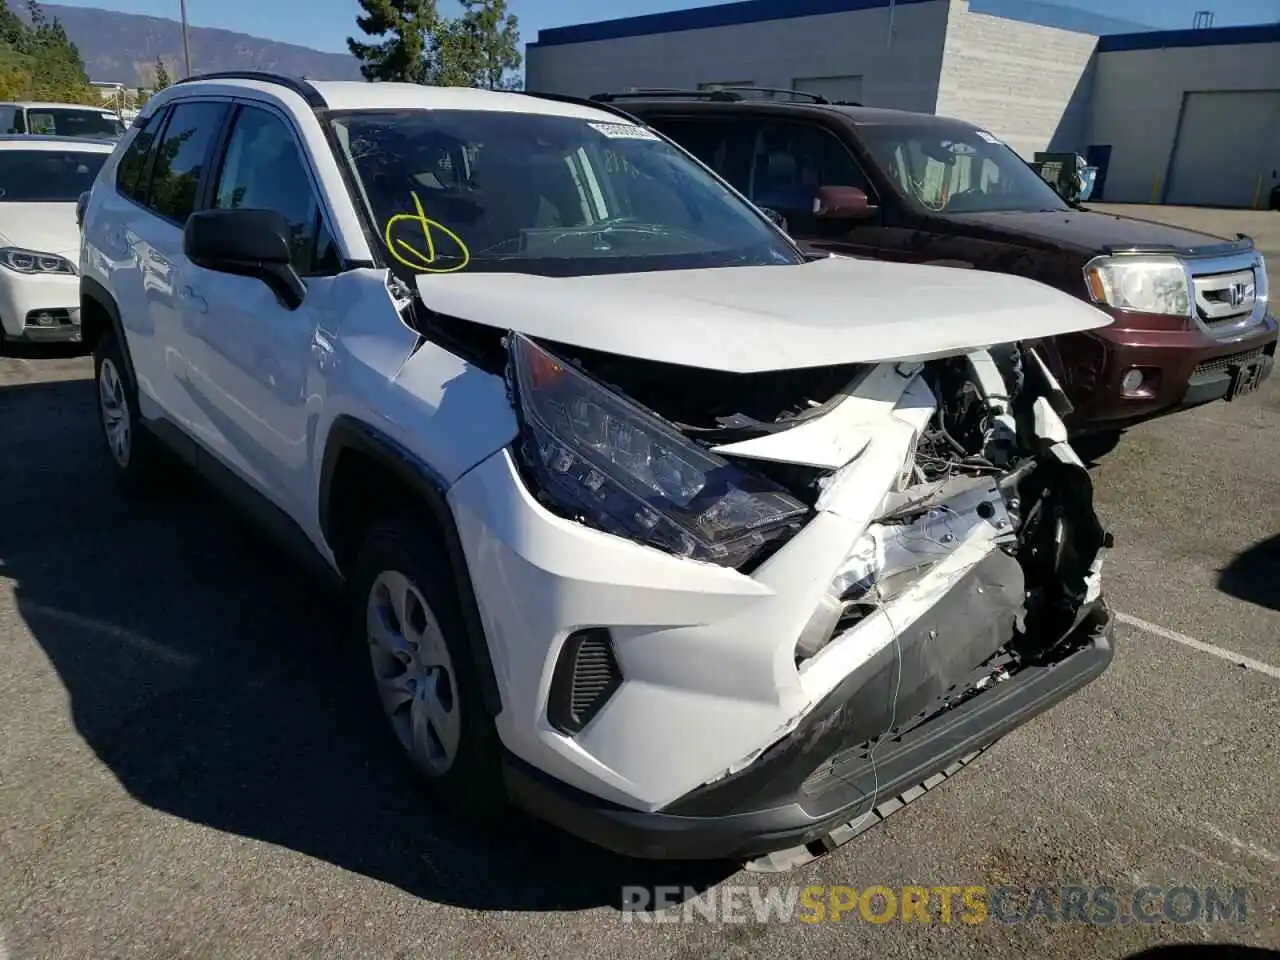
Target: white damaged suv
653,525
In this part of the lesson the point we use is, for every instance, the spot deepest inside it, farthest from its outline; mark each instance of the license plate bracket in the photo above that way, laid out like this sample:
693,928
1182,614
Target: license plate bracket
1245,379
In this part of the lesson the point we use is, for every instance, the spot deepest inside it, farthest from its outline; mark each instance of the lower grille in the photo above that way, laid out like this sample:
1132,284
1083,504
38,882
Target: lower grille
586,676
1224,364
48,319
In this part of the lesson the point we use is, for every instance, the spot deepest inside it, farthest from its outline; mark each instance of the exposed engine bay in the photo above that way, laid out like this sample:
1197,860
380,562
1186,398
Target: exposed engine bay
988,463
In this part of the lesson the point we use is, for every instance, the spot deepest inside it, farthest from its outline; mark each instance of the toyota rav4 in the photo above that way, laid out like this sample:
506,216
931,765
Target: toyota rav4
647,524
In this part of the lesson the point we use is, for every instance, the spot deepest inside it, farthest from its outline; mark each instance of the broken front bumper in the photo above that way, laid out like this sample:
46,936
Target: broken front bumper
843,769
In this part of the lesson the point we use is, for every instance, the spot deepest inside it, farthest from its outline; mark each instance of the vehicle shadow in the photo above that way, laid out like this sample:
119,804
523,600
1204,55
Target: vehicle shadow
41,351
1205,951
212,680
1092,447
1254,575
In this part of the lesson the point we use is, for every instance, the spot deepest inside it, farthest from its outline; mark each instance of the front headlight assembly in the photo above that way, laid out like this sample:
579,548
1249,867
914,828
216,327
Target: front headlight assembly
33,262
1144,284
610,464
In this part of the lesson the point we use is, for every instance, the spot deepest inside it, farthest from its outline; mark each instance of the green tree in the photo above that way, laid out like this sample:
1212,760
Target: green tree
162,75
409,50
38,61
481,48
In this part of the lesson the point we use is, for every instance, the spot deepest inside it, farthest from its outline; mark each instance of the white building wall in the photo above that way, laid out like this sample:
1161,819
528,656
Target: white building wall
900,72
1029,85
1138,99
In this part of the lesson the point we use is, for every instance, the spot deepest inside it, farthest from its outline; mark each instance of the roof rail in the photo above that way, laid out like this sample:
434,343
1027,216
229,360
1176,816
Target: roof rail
724,94
659,92
583,102
811,97
298,85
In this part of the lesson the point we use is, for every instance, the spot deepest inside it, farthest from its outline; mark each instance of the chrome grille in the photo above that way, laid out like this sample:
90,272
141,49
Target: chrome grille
1225,297
1229,292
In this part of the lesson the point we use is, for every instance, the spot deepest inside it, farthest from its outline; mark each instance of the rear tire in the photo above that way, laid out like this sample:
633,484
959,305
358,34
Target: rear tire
407,615
132,451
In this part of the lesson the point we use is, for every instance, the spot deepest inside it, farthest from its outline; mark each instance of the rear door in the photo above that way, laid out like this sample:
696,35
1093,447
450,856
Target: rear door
143,239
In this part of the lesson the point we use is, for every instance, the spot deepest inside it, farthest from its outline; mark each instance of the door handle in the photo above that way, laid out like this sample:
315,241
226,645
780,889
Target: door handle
199,302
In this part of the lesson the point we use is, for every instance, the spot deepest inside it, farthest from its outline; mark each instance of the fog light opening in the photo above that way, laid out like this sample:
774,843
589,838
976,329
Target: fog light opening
1133,381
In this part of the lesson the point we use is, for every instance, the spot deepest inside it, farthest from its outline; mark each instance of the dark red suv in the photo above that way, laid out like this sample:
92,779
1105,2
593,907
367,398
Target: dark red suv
1192,323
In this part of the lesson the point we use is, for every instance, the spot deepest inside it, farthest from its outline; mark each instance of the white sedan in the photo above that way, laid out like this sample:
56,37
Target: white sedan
41,178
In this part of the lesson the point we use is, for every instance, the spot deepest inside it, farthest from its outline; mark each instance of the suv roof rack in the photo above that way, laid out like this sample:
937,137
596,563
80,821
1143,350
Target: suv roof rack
583,102
728,93
298,85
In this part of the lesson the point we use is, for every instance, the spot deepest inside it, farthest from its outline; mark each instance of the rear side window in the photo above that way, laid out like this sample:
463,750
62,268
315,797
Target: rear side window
181,157
134,162
11,120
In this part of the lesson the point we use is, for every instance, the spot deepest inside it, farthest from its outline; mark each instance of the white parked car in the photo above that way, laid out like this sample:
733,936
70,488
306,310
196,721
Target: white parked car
649,524
59,120
41,179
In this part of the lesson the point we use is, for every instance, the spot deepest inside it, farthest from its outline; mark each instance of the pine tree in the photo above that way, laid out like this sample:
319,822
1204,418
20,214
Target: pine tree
162,75
409,51
491,42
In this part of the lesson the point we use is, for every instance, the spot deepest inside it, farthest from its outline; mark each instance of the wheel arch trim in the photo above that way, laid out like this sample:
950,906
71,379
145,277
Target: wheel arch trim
430,489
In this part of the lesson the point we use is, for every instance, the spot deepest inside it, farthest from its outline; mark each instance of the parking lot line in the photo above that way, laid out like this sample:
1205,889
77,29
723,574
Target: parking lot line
1223,654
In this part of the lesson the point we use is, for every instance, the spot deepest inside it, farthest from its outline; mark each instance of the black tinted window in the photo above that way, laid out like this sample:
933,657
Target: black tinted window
264,170
724,146
180,158
790,161
47,176
134,162
71,122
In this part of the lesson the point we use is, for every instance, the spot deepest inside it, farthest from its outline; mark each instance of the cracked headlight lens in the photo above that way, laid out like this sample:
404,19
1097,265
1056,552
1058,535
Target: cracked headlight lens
614,466
1143,284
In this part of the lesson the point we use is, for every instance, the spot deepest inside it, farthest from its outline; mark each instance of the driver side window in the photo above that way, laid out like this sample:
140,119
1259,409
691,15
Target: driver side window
791,161
263,169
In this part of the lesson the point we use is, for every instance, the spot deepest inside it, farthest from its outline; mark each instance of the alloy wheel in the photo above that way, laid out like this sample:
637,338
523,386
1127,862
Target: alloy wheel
414,673
115,412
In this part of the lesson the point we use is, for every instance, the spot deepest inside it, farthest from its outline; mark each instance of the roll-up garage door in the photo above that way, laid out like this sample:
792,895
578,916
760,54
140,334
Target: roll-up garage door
1227,147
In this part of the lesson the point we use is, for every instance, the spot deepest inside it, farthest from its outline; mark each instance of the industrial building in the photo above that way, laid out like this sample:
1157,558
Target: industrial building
1183,117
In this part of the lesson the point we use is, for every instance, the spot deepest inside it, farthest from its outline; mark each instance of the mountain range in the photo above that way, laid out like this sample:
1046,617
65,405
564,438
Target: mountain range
124,47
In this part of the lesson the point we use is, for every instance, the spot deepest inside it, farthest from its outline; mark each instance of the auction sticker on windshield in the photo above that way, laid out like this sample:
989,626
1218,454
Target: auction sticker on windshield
623,131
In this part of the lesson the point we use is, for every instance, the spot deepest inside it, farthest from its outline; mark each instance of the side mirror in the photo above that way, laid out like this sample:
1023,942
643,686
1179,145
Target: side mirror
245,243
81,202
842,203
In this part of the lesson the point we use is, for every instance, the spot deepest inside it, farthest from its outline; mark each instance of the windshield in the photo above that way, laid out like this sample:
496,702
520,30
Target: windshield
958,170
98,124
457,190
47,176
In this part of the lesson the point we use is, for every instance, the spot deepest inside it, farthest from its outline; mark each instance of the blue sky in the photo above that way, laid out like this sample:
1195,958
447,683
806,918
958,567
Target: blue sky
325,24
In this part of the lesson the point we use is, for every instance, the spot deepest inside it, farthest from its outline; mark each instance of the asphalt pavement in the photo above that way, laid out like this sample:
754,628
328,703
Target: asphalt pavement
186,767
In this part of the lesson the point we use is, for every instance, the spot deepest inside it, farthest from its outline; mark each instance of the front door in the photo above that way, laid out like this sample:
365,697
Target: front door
248,355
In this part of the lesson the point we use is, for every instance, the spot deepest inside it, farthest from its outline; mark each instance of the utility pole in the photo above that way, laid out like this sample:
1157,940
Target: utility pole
186,42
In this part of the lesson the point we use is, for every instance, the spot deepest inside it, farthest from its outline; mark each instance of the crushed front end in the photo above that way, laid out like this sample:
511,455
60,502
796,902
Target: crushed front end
749,616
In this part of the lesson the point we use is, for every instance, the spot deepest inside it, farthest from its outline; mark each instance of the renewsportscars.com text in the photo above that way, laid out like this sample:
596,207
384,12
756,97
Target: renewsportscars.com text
936,905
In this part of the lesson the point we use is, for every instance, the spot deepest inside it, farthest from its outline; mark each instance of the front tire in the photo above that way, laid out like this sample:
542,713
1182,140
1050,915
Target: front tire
131,451
407,612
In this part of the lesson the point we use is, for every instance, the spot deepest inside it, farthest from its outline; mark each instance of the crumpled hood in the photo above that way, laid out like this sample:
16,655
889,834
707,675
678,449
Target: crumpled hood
753,319
42,227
